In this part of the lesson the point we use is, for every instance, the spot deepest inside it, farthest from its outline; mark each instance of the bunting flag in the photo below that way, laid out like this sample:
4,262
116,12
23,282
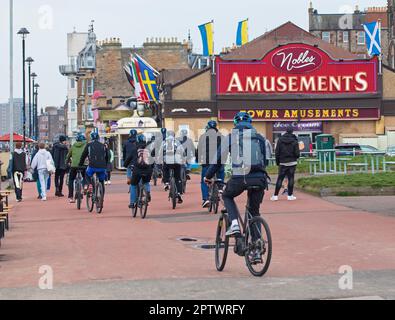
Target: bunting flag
242,33
147,75
373,38
207,32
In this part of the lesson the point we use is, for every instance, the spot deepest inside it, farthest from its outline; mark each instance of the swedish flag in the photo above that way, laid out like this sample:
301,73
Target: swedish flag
207,32
242,33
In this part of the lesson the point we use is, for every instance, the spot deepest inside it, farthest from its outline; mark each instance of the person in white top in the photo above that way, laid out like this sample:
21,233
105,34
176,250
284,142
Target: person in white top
41,162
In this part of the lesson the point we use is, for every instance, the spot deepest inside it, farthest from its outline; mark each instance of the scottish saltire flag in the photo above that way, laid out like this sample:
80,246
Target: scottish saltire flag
207,32
147,76
242,33
373,38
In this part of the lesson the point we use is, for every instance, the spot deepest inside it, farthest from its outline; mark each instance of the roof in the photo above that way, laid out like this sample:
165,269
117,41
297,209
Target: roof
285,34
173,76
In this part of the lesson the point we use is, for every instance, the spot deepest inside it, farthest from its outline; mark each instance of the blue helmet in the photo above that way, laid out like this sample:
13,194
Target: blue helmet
141,138
94,136
242,117
133,133
212,125
80,137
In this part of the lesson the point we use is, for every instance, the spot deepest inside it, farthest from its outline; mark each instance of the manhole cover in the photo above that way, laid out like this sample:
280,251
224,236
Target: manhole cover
188,240
206,246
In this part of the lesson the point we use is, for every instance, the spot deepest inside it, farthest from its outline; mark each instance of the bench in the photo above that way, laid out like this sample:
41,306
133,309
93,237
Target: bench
313,164
363,167
388,164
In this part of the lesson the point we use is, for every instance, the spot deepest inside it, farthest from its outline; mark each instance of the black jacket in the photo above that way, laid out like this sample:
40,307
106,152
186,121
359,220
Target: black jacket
98,155
129,147
287,149
19,162
206,150
59,154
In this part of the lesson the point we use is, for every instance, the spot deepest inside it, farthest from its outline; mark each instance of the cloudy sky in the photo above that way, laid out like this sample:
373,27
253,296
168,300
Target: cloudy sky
133,21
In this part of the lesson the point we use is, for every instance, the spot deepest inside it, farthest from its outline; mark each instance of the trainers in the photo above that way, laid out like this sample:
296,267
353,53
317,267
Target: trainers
206,204
255,257
167,187
180,200
274,198
291,198
71,200
233,230
109,183
44,199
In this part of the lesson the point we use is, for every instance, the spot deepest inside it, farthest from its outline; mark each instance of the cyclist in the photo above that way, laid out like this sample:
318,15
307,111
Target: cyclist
247,149
142,168
73,158
173,158
129,148
209,143
190,151
98,156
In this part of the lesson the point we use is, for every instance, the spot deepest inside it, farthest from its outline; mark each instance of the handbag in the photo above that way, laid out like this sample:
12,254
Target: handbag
50,166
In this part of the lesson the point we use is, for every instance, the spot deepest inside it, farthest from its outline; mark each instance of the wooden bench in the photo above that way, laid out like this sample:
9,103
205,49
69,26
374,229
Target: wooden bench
363,167
388,164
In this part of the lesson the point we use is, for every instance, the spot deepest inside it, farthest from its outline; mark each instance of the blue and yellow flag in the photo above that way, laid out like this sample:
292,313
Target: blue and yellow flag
242,33
207,32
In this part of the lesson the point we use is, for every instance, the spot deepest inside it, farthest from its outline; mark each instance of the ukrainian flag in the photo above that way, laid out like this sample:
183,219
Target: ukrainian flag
207,32
242,33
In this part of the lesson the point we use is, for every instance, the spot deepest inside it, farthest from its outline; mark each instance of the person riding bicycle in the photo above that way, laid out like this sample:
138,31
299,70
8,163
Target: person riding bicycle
98,156
208,145
172,154
129,148
74,157
142,168
190,151
247,149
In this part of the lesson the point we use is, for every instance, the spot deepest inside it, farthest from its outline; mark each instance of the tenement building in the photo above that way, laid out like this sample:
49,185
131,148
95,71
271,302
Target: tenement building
286,76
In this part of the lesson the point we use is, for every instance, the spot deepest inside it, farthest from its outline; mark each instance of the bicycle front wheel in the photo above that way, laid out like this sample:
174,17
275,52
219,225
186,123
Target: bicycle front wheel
78,195
89,201
258,247
99,198
221,244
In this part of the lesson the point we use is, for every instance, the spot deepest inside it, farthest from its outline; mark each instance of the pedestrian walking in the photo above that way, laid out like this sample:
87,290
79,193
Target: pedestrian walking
59,154
35,172
44,163
110,165
287,155
269,152
19,167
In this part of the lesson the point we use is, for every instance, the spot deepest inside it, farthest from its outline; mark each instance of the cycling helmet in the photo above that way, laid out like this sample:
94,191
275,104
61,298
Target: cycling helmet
133,133
212,125
141,138
94,136
184,133
80,137
242,117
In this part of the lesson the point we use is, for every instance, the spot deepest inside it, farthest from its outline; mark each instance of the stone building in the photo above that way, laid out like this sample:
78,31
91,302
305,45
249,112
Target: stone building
51,124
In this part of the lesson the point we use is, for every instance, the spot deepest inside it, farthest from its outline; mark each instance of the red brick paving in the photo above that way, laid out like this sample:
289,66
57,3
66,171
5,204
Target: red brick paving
311,237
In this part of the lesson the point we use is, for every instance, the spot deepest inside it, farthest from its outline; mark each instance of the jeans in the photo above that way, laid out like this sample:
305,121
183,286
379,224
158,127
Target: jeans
43,175
288,172
18,184
204,186
59,180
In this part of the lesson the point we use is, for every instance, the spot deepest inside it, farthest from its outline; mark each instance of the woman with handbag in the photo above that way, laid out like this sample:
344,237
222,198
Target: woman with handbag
44,163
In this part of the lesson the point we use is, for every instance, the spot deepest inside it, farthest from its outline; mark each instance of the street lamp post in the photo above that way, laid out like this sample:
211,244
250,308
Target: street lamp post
11,75
29,63
24,32
36,86
33,76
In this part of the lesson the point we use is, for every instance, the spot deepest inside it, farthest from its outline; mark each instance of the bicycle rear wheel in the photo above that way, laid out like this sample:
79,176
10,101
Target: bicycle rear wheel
173,193
221,244
78,195
143,204
89,201
259,230
136,205
99,198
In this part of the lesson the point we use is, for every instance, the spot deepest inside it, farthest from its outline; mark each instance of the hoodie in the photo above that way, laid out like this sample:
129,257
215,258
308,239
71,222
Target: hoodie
129,148
40,160
75,153
59,153
19,161
287,150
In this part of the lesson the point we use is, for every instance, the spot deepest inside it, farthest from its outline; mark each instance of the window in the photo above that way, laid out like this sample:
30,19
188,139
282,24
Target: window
89,112
73,105
83,87
326,36
72,84
89,61
345,36
91,85
361,37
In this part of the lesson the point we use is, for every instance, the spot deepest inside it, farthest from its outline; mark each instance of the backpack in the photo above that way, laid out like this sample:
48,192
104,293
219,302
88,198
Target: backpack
97,155
143,158
255,159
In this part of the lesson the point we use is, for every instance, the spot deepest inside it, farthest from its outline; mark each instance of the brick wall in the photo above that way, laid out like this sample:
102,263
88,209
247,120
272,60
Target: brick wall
198,88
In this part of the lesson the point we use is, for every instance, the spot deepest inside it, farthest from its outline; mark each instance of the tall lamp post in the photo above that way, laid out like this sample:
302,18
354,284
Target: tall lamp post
11,75
29,62
36,86
33,134
24,32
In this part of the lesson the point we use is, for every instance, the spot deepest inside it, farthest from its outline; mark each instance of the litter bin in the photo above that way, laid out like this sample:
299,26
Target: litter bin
326,142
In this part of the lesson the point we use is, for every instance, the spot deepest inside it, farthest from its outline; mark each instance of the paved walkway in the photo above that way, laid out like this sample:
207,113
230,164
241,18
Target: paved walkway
113,255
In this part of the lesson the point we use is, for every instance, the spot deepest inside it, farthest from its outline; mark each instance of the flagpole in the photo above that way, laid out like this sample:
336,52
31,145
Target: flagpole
213,54
11,75
381,51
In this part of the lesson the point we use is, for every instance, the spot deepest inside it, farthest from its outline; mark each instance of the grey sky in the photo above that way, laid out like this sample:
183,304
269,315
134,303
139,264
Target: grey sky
133,21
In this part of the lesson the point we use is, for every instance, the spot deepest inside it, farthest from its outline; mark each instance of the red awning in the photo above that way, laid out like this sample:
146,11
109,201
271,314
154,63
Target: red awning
17,138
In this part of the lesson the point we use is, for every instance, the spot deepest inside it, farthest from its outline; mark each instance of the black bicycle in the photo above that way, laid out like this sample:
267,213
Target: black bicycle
254,240
173,192
78,188
157,174
142,201
95,196
214,196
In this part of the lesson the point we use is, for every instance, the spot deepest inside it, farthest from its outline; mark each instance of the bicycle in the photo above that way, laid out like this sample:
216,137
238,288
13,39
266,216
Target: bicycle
244,244
173,192
96,196
156,175
184,179
142,201
78,188
214,197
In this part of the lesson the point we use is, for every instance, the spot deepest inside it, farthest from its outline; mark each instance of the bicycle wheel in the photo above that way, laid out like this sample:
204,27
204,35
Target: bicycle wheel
143,204
184,181
263,245
90,203
136,207
78,194
173,193
221,244
99,198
